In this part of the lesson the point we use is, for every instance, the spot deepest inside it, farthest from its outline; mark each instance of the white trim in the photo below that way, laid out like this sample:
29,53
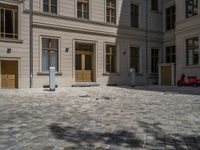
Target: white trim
59,51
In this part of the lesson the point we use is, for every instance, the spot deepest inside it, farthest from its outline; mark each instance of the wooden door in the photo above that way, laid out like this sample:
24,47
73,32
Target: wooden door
166,75
9,74
8,81
84,66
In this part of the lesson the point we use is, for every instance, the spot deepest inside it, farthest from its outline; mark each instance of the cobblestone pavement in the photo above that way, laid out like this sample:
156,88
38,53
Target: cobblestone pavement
114,118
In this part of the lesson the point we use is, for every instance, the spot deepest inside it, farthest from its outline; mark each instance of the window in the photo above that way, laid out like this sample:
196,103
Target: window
135,58
50,6
111,59
191,8
8,21
111,11
154,5
49,54
134,15
192,51
83,9
154,60
171,54
170,18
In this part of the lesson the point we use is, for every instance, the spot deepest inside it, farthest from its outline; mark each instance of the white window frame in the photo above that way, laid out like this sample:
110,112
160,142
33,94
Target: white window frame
117,56
90,10
185,48
58,8
117,12
20,10
59,51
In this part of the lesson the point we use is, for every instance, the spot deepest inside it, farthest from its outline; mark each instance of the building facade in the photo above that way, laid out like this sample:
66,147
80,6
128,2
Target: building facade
97,41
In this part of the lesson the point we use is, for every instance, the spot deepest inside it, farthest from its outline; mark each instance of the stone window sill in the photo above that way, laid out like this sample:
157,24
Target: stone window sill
111,74
11,40
47,73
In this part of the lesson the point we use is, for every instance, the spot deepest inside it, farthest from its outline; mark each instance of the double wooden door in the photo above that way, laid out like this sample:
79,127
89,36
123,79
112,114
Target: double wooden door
84,66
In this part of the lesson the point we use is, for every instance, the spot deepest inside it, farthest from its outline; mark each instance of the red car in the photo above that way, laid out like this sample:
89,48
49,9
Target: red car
191,80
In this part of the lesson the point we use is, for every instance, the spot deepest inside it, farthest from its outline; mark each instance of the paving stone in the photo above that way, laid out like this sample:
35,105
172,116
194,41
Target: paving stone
115,118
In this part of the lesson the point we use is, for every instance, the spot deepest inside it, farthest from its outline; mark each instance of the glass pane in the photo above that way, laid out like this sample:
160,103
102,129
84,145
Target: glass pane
9,21
54,9
45,61
2,23
45,7
54,2
54,43
78,62
45,43
46,1
54,59
88,62
79,14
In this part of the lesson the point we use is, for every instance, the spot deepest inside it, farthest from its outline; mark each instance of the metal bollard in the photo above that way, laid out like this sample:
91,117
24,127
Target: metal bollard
132,75
52,78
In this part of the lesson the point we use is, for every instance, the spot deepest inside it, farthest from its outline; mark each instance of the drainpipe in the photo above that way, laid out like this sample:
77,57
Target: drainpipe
147,40
31,41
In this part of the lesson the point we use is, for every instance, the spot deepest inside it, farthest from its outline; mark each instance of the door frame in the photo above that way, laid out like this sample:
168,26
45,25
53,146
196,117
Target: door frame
94,54
18,60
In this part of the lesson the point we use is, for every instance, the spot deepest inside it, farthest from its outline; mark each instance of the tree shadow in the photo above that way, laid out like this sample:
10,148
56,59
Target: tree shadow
88,139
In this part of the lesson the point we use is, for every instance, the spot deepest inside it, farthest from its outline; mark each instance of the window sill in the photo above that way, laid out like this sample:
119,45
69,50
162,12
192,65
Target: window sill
111,74
47,73
192,67
10,40
156,11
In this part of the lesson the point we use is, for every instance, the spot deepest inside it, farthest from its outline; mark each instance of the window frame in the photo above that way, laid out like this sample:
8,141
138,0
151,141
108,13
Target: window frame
49,7
110,63
110,9
15,26
170,16
132,14
193,7
138,71
41,53
193,48
83,15
157,8
153,60
170,54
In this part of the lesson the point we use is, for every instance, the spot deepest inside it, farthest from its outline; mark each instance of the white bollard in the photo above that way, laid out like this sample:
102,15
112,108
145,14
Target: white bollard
52,78
132,73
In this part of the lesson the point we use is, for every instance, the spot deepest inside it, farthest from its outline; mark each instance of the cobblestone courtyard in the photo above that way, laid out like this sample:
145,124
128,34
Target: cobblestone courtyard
100,118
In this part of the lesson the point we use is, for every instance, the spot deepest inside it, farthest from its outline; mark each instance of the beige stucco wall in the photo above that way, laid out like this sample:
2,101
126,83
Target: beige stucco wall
68,29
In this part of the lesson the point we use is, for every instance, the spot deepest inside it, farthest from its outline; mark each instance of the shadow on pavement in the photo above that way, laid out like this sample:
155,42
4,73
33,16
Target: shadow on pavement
87,139
167,89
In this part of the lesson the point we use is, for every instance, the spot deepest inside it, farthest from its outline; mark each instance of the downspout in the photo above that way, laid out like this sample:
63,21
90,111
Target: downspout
147,41
31,41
